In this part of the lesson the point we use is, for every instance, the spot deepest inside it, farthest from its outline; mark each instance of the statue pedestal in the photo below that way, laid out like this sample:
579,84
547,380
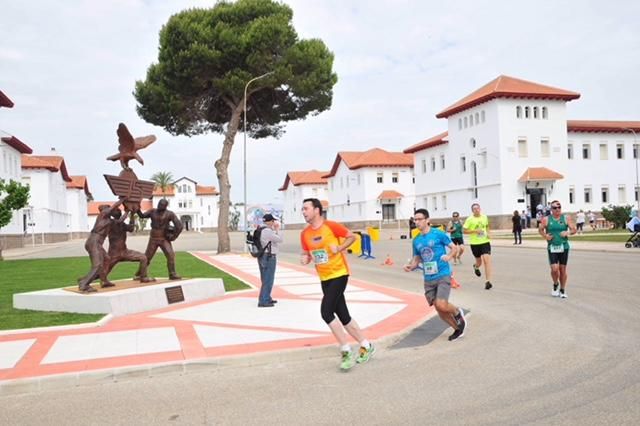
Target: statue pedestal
127,297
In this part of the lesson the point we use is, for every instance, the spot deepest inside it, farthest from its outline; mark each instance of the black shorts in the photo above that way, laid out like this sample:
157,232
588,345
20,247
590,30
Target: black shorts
479,249
561,258
457,241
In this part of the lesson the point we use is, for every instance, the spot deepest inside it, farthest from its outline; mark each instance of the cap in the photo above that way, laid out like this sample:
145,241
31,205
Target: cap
268,217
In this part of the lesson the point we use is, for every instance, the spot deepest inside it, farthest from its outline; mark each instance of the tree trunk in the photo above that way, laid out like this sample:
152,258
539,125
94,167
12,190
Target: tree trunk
222,166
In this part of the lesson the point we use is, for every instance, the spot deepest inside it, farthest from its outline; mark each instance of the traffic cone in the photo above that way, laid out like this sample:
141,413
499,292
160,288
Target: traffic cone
454,283
388,261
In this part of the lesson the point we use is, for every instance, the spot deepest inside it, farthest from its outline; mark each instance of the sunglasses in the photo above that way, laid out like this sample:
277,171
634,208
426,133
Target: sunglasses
556,207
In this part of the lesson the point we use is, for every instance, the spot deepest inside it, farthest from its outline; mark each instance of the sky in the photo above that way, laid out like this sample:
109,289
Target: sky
70,68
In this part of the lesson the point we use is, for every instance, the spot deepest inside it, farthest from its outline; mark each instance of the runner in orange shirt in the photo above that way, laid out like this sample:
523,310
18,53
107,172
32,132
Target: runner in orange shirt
320,244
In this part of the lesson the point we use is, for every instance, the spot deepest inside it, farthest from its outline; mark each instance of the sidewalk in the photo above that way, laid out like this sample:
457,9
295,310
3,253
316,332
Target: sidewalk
226,331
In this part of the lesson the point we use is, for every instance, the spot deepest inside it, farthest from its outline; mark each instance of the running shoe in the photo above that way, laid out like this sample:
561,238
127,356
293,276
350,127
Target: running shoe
347,361
488,285
476,270
365,354
563,295
457,333
460,318
555,292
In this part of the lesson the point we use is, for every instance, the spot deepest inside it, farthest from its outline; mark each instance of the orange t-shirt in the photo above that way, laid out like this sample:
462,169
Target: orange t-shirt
317,242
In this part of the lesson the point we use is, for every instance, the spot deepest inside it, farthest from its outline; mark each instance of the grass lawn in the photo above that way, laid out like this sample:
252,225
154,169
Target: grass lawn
19,276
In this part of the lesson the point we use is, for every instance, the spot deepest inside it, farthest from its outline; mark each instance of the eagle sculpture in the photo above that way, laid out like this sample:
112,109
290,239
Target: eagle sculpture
128,148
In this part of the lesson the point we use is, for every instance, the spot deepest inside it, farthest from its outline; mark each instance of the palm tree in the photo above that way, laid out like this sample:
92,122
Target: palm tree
163,181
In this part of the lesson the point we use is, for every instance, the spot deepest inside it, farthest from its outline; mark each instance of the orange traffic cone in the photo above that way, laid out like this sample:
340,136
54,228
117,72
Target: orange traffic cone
454,283
388,261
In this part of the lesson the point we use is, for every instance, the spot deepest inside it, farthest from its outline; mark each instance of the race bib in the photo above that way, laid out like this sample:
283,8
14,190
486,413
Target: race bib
481,234
430,268
320,257
556,248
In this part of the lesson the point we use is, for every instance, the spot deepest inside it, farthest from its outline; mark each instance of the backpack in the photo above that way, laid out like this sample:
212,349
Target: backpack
254,244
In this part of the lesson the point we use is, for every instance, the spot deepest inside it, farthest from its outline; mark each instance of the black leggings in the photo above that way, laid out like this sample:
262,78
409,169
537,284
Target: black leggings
333,300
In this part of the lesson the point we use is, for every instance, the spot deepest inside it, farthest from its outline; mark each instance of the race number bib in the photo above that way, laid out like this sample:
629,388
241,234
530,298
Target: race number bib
430,268
556,248
320,257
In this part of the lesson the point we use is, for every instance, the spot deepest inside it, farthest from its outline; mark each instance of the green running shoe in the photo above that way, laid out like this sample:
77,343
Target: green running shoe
365,354
347,361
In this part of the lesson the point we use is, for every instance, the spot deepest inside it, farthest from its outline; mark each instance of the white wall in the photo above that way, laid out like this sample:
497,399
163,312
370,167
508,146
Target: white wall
11,169
203,209
48,201
77,206
293,197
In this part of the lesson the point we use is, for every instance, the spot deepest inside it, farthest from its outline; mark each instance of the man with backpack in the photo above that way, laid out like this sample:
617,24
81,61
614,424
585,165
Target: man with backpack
268,241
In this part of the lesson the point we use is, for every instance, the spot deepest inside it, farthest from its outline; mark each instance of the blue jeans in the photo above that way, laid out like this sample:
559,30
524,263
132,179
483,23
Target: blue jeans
267,265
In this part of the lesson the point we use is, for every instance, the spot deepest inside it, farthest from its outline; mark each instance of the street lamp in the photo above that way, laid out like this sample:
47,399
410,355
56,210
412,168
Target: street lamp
244,132
636,147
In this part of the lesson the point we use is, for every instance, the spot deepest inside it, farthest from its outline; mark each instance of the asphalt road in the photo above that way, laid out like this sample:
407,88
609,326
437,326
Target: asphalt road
527,358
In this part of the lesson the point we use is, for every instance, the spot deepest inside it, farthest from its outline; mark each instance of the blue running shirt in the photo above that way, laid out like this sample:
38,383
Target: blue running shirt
431,247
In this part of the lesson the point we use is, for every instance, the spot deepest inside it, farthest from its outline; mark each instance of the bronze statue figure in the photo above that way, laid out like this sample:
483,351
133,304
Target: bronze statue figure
162,234
118,251
97,253
128,147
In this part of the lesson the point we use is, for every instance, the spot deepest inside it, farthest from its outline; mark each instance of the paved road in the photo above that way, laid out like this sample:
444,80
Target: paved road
527,358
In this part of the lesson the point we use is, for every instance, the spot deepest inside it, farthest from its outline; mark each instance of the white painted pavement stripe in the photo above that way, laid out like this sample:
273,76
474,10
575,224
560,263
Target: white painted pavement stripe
12,352
112,344
212,336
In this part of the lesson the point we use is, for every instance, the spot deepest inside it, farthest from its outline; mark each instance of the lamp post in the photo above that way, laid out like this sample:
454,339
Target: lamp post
244,132
637,149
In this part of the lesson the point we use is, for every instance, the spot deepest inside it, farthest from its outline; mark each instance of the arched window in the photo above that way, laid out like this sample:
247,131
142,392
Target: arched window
466,122
535,112
471,120
472,142
459,123
518,111
526,112
477,118
544,113
474,180
482,115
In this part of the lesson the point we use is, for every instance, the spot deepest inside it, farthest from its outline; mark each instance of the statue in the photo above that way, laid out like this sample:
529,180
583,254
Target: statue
118,251
162,234
97,253
128,147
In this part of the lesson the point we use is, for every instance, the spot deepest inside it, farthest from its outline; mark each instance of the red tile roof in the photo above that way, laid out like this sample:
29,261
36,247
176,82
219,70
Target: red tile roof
5,101
375,157
309,177
80,182
168,192
324,203
436,140
206,190
601,126
539,173
17,144
507,87
52,163
389,195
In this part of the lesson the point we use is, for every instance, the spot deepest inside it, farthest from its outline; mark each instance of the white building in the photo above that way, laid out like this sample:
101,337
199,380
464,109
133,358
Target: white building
371,187
297,187
509,145
195,205
78,196
12,148
47,177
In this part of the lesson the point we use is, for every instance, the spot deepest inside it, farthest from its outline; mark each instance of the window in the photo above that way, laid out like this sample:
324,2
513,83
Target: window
570,151
522,148
620,151
572,195
466,122
605,194
209,210
189,189
433,164
190,203
394,178
472,142
463,164
424,166
179,188
545,114
526,112
622,194
535,112
474,180
434,202
424,200
379,178
477,118
636,148
459,123
544,148
518,111
442,162
586,151
444,202
482,116
471,120
636,194
358,179
200,202
604,155
587,195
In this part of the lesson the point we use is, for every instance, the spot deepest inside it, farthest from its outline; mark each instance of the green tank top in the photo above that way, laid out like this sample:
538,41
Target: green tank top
554,228
457,229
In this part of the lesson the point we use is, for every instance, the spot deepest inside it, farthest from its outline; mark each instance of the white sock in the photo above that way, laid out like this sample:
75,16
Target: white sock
365,344
345,348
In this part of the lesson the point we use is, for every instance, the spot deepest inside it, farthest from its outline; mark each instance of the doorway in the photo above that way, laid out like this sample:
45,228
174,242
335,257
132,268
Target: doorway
186,221
388,212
